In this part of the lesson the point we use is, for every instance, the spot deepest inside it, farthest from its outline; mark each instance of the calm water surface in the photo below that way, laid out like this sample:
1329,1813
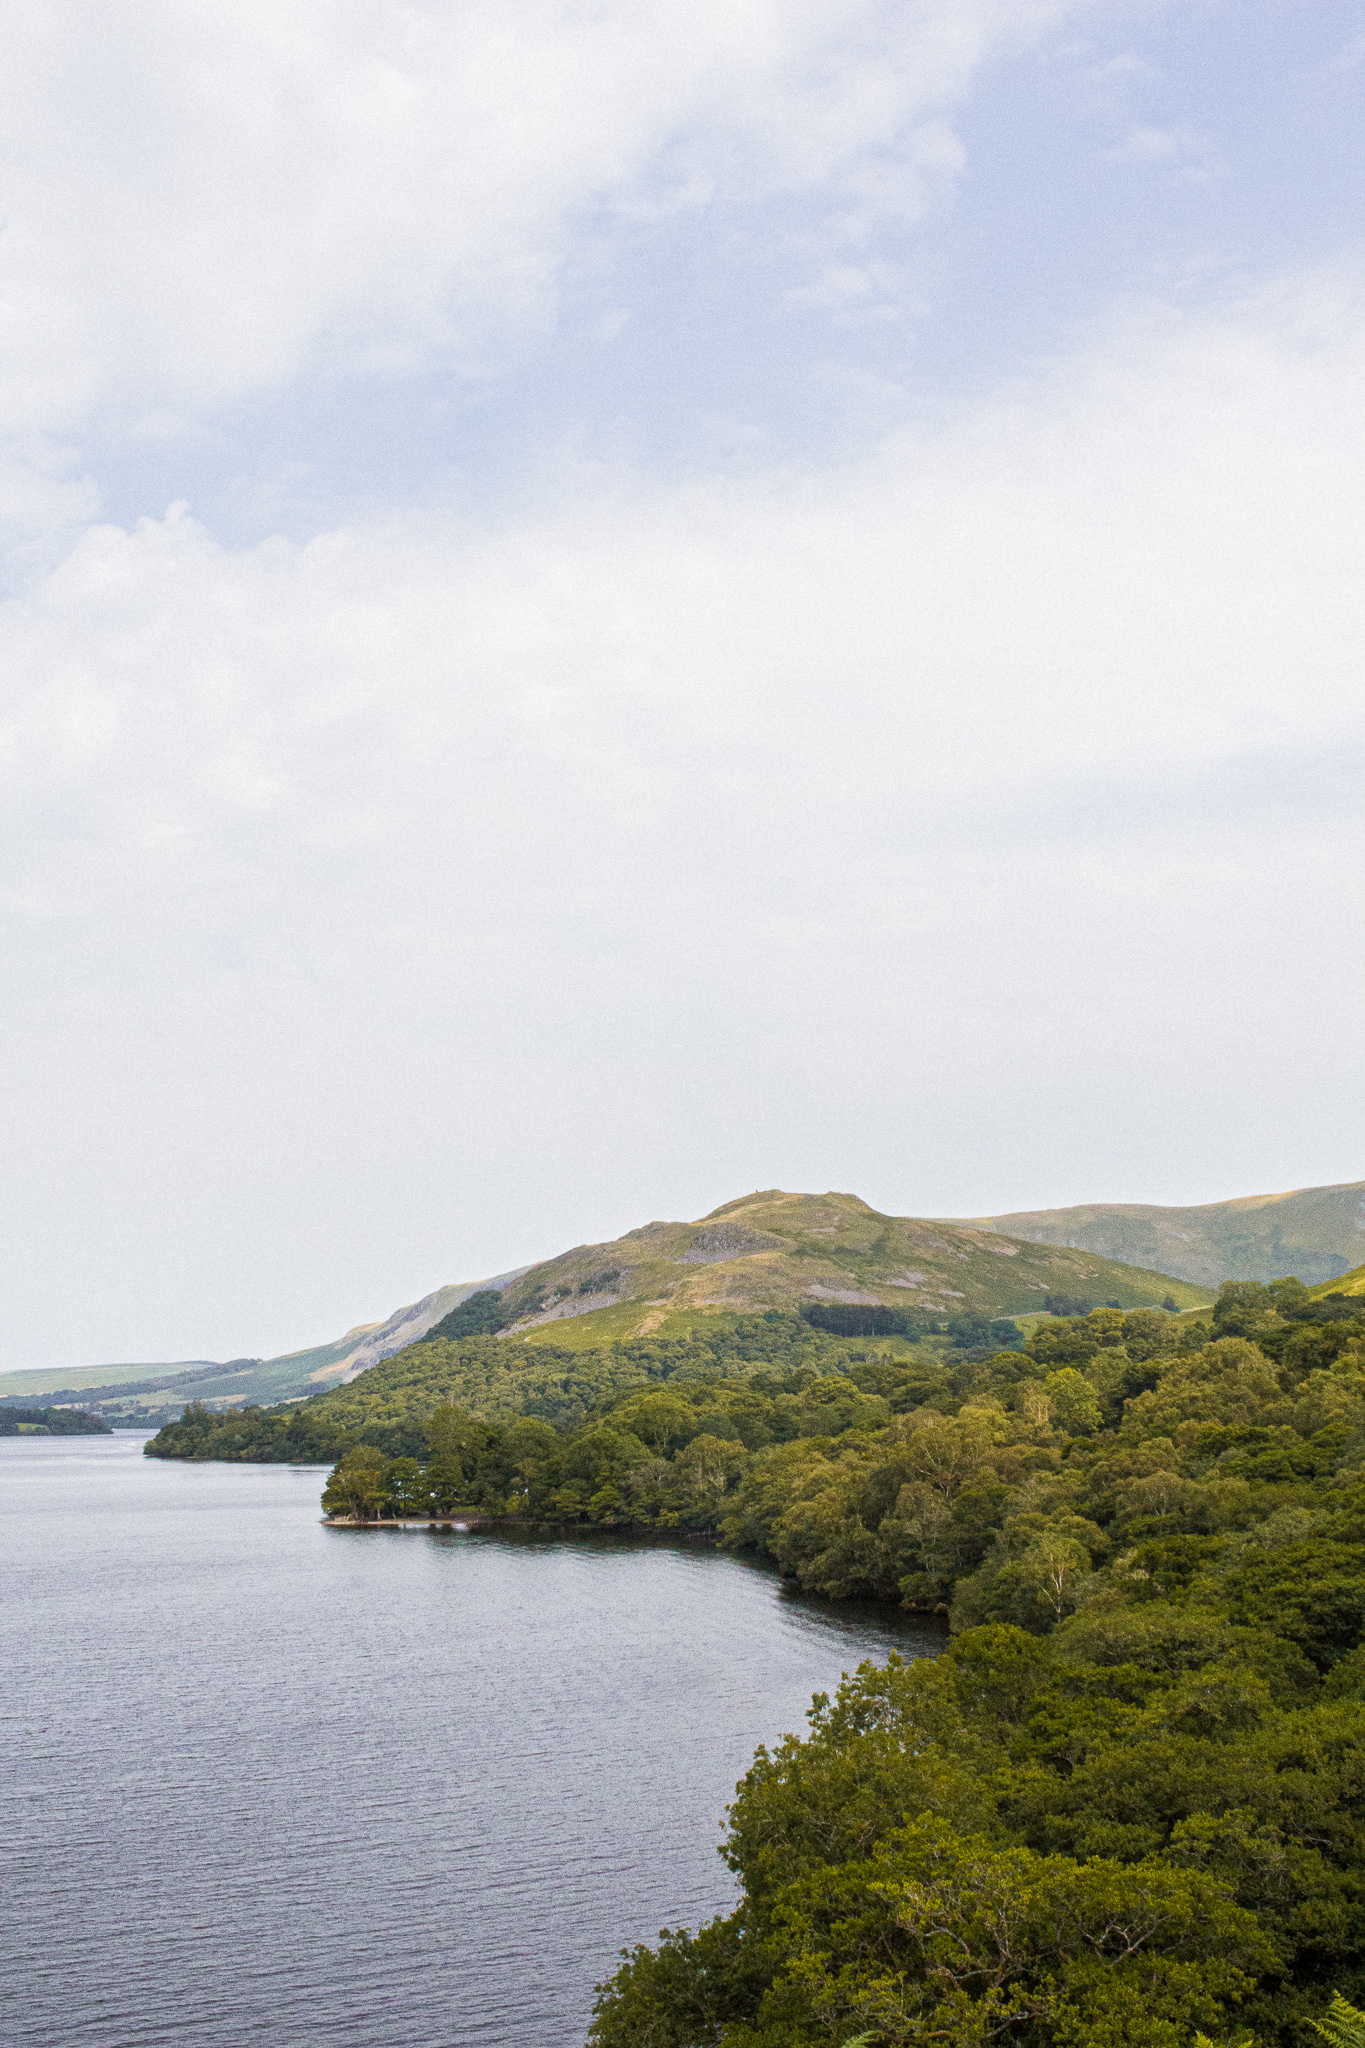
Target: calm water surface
272,1785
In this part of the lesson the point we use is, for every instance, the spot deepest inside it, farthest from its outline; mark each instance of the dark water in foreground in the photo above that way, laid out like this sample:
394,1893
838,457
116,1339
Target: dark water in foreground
271,1785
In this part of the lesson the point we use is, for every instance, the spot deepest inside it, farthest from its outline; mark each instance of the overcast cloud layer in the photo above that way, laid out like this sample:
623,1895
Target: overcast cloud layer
964,811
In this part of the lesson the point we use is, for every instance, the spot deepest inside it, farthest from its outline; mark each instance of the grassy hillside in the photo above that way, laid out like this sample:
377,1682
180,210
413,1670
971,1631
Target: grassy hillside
1348,1283
776,1250
105,1379
149,1394
1310,1234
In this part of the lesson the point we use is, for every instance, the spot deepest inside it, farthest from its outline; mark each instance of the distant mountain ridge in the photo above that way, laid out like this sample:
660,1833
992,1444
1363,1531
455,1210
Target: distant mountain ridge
1311,1234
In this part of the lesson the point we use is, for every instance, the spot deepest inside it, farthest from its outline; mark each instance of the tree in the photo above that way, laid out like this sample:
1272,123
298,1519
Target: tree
455,1437
1243,1308
1148,1333
479,1314
658,1419
708,1461
359,1486
940,1938
1288,1295
1071,1341
408,1489
445,1485
601,1453
1075,1404
1034,1591
1065,1305
949,1939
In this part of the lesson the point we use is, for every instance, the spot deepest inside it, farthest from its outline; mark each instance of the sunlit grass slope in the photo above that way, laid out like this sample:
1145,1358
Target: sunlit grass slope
1348,1283
775,1250
1309,1234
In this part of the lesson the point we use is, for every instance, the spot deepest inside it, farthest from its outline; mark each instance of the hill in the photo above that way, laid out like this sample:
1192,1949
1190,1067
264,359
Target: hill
142,1394
775,1250
1309,1234
1348,1283
771,1250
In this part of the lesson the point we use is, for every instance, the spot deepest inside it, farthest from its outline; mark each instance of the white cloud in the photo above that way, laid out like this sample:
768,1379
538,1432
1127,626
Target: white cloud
1152,557
1146,144
828,827
202,203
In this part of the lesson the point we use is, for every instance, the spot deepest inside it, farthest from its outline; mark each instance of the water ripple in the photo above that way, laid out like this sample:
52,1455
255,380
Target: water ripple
271,1785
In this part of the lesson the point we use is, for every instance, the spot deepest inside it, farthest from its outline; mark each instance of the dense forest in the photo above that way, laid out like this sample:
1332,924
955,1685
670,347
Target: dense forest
51,1422
460,1363
1126,1806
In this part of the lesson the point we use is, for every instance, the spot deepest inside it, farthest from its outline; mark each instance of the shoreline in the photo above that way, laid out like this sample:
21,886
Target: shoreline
476,1518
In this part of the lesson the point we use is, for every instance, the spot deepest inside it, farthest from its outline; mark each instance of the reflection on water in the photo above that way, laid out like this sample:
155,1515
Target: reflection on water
271,1783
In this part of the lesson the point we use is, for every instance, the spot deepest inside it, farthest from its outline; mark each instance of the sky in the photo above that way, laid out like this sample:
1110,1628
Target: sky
607,605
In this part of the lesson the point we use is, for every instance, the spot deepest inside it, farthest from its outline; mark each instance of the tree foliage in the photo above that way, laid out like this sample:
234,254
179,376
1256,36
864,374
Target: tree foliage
51,1422
1342,2024
1127,1805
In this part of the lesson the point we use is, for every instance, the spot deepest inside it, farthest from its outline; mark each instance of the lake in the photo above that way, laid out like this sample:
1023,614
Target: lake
266,1782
